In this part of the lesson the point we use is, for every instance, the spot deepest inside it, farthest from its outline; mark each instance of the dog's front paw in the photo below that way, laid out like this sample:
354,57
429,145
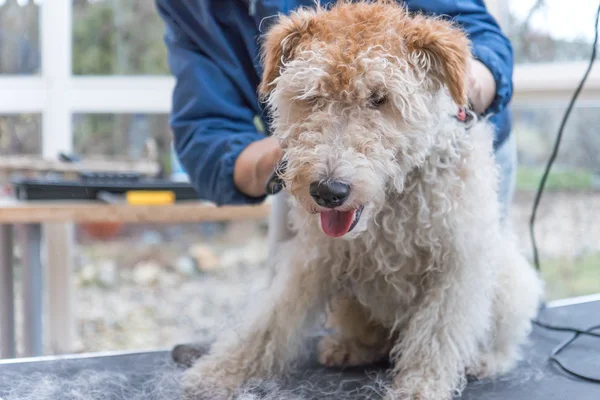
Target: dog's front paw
423,390
334,352
492,365
209,380
337,351
419,395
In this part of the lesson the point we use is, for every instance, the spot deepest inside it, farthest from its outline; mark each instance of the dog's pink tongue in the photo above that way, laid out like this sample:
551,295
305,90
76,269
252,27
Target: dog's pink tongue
336,223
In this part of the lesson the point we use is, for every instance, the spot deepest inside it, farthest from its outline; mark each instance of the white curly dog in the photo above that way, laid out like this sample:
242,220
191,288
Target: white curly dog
395,211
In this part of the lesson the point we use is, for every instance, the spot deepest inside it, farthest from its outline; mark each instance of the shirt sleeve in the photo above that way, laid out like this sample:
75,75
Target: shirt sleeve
211,120
489,44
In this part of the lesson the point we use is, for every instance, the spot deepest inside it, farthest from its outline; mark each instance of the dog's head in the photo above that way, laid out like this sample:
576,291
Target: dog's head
354,92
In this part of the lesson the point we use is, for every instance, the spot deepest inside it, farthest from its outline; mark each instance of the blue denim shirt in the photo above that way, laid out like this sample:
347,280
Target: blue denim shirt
214,48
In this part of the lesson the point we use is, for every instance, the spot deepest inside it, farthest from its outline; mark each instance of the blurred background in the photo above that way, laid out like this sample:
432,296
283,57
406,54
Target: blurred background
91,77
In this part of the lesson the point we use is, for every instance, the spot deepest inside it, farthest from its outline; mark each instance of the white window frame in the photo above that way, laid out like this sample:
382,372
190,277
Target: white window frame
57,94
555,83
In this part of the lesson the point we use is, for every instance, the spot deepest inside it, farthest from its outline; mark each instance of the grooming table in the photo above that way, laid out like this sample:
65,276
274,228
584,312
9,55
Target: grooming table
535,378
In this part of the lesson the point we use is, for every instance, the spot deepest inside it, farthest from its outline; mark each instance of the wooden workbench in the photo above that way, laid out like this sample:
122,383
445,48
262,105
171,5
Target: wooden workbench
57,217
32,212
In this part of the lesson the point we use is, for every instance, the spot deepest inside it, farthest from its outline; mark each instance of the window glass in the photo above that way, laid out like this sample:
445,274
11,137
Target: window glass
127,136
568,219
112,37
20,134
551,30
19,37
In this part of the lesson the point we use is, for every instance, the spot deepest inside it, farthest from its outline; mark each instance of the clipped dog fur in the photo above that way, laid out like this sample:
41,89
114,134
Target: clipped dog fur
414,264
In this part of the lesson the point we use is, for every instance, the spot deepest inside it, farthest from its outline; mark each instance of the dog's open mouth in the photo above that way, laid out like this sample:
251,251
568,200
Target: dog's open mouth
337,223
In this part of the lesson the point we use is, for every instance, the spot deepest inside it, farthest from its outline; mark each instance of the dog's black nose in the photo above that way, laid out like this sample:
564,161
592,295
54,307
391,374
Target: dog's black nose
329,194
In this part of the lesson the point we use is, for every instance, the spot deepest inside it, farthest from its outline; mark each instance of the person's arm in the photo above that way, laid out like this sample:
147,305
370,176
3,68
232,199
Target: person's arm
212,111
493,88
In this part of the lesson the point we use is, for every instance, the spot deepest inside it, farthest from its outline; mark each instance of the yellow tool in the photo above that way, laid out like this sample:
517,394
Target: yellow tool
150,197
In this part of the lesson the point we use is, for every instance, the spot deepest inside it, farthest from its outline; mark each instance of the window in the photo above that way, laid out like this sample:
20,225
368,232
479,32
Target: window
20,134
19,38
87,76
551,30
109,38
536,128
129,136
553,42
89,57
567,227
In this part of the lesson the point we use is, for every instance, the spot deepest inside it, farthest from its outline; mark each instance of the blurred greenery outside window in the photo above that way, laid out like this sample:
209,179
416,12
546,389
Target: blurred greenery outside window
20,134
555,31
123,136
20,52
543,31
113,37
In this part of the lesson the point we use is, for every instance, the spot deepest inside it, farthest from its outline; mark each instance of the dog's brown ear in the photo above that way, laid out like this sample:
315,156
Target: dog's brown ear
444,50
280,44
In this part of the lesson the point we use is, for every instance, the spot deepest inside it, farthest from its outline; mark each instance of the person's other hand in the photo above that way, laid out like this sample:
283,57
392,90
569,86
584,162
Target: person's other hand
482,86
255,164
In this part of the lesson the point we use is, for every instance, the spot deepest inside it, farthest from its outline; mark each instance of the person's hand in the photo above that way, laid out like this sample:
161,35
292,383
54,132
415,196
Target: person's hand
255,164
482,86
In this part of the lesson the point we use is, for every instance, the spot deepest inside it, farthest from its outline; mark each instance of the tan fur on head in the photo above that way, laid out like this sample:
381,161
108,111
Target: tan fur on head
350,27
280,44
447,47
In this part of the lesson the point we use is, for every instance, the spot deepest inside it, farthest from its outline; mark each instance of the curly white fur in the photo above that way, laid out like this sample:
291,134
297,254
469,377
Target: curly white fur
429,277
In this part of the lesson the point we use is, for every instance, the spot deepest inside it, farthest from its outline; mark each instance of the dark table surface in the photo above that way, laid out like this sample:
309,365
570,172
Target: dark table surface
153,375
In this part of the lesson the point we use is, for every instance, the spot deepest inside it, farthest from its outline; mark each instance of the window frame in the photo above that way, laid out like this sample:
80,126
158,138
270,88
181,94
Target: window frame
57,94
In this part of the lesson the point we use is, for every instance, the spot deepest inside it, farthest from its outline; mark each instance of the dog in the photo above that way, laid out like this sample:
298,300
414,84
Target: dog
398,233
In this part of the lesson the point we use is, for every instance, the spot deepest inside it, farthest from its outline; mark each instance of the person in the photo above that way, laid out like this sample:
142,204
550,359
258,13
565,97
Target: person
220,130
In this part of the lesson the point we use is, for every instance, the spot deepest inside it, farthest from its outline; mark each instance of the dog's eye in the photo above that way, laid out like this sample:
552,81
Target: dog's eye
377,100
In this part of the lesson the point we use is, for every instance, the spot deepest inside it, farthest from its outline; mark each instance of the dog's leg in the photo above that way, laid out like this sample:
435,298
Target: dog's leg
444,332
263,346
356,338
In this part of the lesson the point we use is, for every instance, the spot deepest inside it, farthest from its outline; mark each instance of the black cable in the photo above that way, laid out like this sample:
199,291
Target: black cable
557,144
576,332
588,331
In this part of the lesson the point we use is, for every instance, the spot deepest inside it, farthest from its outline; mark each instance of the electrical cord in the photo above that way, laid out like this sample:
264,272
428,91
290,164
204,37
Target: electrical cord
576,332
557,144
